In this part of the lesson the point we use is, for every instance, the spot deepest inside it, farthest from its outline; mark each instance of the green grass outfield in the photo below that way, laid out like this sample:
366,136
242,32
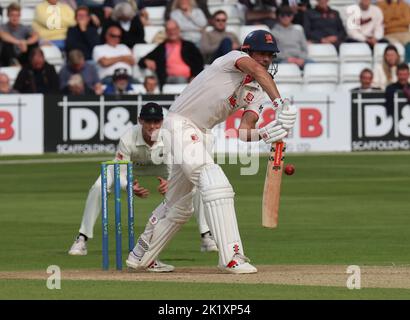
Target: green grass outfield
342,209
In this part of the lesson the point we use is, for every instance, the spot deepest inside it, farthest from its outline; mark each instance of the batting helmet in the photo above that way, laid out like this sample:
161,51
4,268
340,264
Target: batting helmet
260,40
264,41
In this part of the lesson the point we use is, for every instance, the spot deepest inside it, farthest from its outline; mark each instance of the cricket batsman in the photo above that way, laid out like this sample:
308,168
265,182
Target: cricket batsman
239,79
142,144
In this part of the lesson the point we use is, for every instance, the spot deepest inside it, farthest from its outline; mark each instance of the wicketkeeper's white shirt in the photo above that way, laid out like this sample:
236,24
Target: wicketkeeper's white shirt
147,160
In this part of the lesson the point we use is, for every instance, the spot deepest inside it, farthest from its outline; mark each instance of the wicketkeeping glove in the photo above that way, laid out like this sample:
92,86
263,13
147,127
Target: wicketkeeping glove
288,117
272,132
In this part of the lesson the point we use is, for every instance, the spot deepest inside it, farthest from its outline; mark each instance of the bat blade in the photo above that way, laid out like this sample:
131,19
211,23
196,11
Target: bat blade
271,191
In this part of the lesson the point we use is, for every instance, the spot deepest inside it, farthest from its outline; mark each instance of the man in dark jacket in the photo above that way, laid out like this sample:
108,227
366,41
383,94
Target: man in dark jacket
125,17
84,35
175,60
324,25
38,76
402,85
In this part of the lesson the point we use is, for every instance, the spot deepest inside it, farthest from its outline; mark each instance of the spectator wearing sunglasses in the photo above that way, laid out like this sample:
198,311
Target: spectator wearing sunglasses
218,42
112,55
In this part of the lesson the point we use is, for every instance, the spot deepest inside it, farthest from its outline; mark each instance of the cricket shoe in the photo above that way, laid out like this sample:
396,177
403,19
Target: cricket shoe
79,247
239,264
208,243
156,266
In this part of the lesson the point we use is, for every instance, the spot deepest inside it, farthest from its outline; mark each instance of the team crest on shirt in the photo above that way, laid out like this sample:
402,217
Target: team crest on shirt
120,156
249,97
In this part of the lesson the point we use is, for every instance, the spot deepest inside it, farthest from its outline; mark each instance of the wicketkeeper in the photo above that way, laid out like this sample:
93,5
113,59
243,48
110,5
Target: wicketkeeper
142,144
237,80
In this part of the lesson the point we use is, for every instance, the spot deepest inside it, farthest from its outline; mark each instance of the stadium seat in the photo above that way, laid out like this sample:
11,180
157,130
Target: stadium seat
151,31
322,52
379,50
321,72
289,88
11,72
288,73
138,88
26,17
156,15
53,55
320,87
141,49
245,30
346,87
355,52
173,88
220,2
350,71
29,3
4,4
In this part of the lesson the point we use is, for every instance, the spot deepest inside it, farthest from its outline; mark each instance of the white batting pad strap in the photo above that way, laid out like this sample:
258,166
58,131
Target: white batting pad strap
167,227
217,195
163,232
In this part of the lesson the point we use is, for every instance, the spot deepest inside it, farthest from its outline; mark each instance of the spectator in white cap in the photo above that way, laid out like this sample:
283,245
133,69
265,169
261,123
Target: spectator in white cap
121,83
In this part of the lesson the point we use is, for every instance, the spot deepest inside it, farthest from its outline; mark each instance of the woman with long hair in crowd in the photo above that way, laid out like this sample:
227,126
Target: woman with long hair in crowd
385,72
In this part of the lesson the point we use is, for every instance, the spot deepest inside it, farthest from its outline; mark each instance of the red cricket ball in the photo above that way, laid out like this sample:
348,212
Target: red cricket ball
290,169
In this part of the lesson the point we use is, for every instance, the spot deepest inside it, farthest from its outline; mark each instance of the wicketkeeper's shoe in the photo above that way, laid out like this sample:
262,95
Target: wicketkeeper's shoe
79,247
134,262
239,264
208,243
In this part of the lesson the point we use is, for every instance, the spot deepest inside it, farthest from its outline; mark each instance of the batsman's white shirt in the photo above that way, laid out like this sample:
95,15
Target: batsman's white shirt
147,161
217,92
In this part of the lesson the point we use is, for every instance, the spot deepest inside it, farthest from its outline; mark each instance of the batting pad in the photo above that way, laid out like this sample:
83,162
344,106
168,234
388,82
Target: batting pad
217,195
166,228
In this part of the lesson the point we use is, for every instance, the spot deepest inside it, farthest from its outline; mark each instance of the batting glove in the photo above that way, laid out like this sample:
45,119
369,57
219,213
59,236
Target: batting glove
288,117
280,104
272,132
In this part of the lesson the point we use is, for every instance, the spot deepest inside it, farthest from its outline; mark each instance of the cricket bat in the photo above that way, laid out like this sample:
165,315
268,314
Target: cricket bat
273,179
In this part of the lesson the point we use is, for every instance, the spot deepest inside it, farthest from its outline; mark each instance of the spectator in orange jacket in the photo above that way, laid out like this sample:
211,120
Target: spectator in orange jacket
396,20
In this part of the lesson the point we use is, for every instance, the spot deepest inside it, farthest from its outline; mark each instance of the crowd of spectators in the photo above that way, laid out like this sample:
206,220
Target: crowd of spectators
97,40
